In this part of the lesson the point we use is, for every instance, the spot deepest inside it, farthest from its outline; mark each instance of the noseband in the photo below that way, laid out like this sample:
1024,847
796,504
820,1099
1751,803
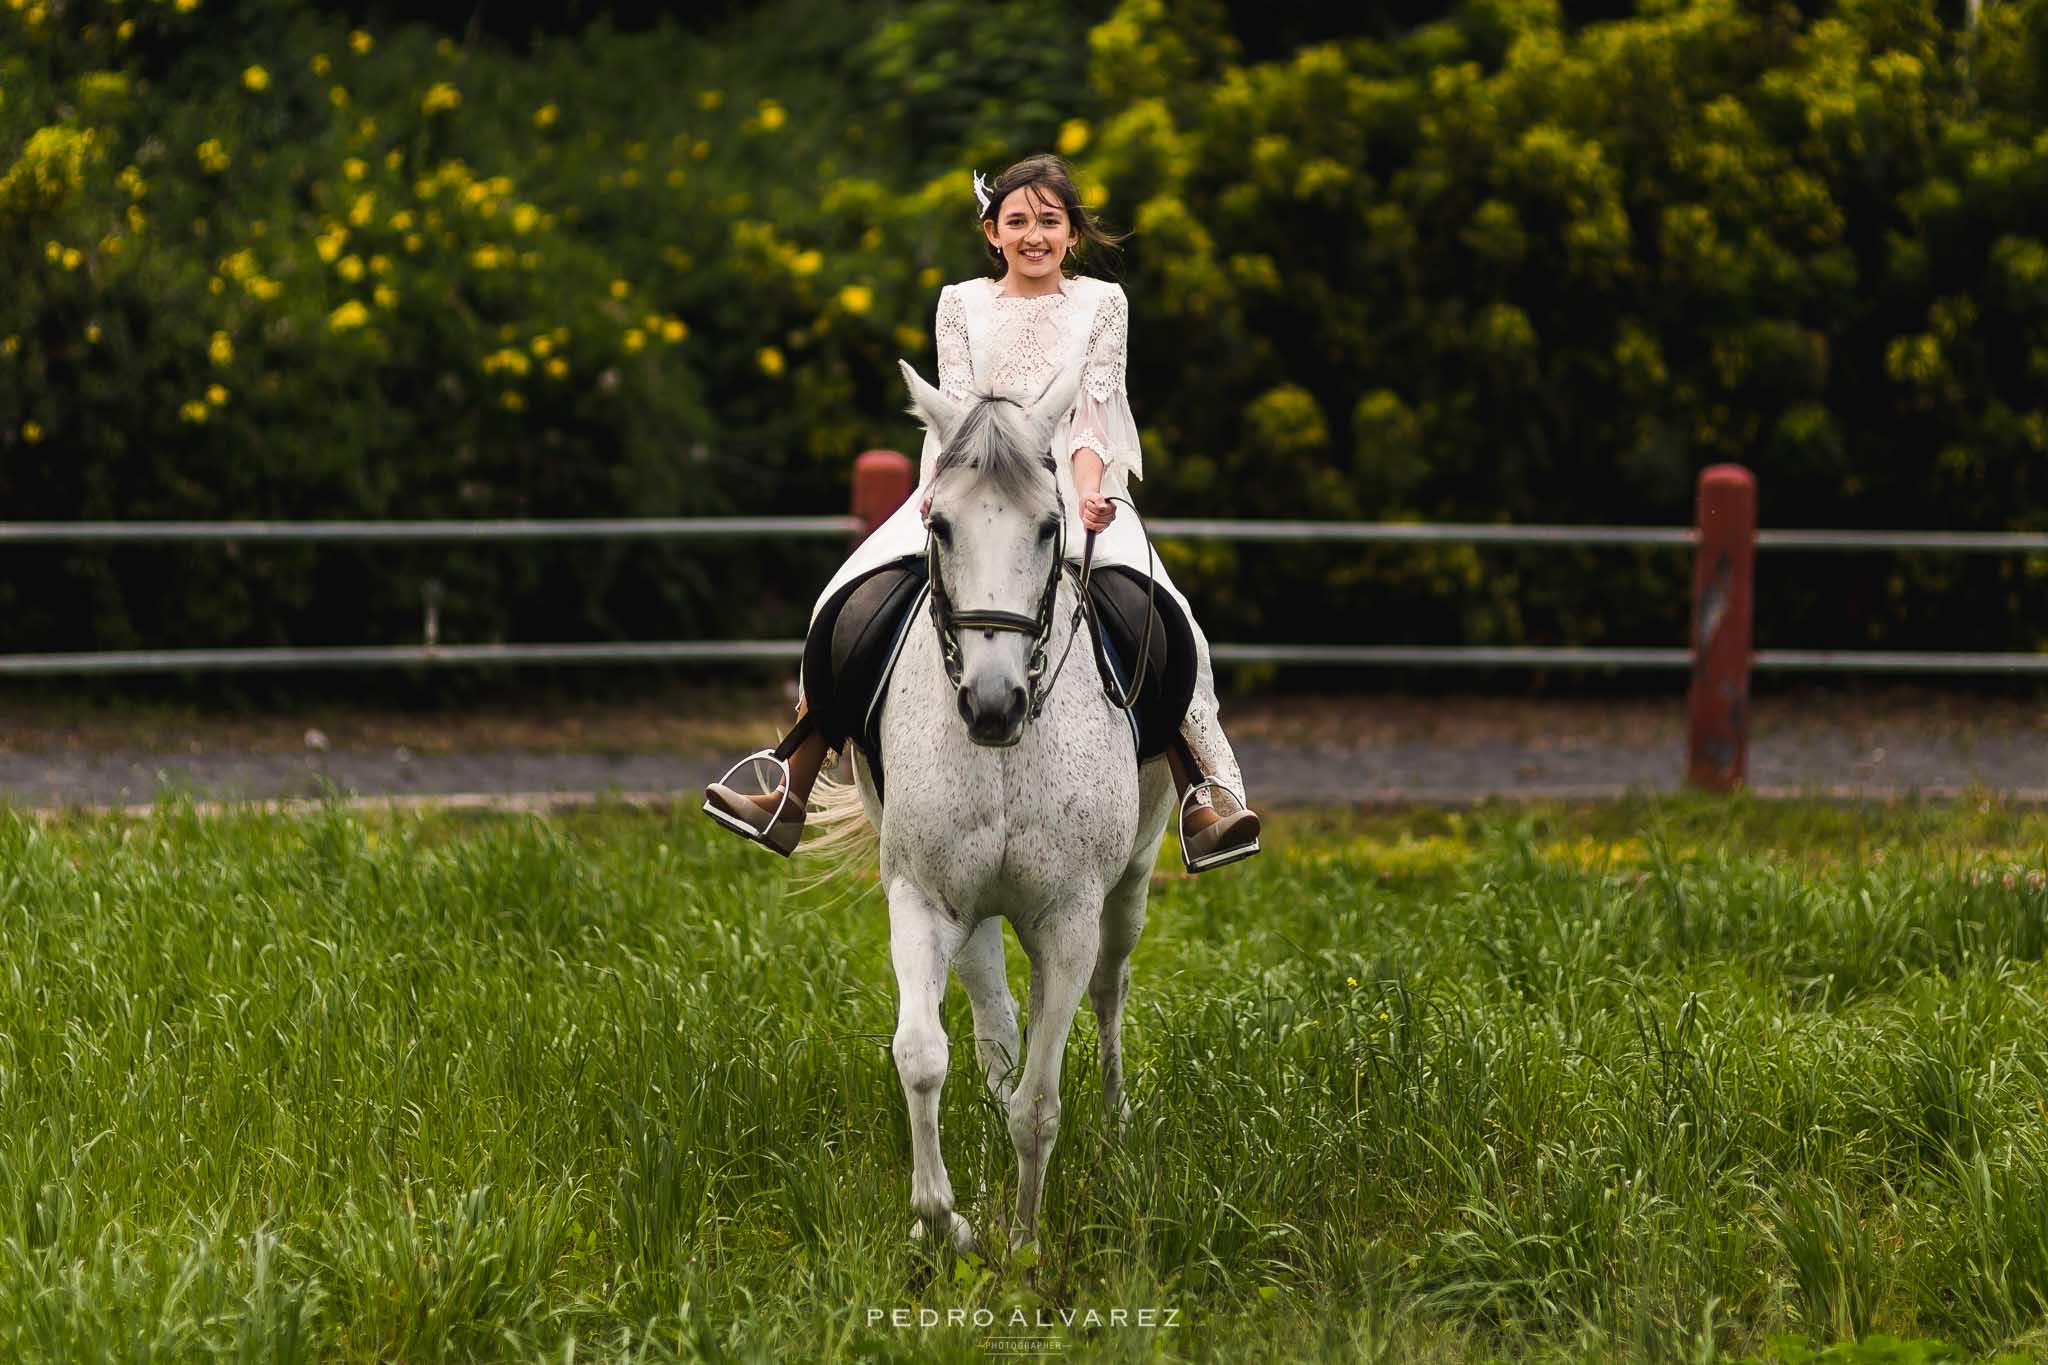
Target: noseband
950,622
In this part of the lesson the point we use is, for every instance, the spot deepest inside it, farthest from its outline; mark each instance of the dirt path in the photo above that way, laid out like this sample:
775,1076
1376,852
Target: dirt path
1295,749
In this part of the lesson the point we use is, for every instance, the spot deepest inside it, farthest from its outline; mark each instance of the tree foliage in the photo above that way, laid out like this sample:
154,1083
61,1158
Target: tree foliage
1527,262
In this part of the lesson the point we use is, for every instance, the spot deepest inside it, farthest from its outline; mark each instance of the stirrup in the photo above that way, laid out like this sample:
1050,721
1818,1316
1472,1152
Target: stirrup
1221,857
733,822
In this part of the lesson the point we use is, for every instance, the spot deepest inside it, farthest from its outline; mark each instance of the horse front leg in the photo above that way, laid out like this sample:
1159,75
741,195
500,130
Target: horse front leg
979,965
1123,920
1062,957
923,940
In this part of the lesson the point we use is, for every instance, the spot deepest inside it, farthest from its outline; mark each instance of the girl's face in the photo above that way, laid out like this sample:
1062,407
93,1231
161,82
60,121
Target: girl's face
1032,232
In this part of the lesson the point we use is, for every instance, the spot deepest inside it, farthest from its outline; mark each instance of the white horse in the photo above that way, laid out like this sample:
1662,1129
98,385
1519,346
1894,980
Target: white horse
1013,792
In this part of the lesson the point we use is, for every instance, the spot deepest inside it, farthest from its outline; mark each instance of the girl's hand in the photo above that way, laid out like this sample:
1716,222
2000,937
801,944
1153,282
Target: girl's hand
924,510
1097,512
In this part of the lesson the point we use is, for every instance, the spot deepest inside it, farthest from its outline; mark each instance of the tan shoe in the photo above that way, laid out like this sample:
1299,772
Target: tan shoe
1209,839
774,819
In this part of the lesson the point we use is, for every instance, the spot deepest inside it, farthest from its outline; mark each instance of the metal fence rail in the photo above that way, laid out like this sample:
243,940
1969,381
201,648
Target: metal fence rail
473,531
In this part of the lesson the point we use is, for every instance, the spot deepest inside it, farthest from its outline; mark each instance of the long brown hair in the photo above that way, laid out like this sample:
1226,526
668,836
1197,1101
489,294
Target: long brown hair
1048,175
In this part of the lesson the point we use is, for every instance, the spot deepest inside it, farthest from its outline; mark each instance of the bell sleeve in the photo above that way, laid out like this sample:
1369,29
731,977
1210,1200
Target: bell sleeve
1102,419
956,363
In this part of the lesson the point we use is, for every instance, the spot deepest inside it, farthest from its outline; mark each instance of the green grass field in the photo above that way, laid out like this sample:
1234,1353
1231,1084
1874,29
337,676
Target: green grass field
1640,1082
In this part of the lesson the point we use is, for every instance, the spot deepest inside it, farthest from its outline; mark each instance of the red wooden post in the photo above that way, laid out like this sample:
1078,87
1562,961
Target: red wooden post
881,481
1723,617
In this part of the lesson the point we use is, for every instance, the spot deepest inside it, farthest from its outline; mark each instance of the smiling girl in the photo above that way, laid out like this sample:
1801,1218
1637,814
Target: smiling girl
1009,333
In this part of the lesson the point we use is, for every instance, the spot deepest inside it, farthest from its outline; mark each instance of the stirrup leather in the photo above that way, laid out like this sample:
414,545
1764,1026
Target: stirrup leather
1221,857
733,822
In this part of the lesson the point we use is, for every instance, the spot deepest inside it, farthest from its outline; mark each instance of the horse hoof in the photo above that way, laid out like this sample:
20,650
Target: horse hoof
962,1241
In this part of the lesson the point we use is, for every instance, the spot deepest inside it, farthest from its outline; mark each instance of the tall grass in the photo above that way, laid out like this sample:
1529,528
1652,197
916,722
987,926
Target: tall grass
1650,1082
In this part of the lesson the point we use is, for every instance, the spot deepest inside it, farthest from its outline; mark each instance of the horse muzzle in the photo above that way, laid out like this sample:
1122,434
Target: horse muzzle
994,713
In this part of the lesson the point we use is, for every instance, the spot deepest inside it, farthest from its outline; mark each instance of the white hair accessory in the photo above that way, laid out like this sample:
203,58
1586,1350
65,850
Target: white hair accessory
981,192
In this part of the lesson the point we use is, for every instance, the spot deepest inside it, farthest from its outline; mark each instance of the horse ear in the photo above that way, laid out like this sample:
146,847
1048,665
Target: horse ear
1057,399
931,407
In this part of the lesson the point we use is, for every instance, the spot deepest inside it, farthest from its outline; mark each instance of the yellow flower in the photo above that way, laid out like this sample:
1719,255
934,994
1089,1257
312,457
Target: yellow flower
512,400
386,296
53,251
1096,195
355,168
930,276
440,97
413,242
131,180
1073,136
635,339
770,361
329,243
674,178
73,258
710,99
221,350
125,30
558,368
772,115
1351,981
486,257
524,217
338,96
620,289
194,411
349,316
92,334
264,288
700,149
910,338
365,207
380,264
350,267
216,394
137,219
256,78
216,285
674,330
320,65
360,42
394,158
542,345
32,432
213,156
366,130
545,116
806,262
187,6
856,298
110,245
402,221
9,345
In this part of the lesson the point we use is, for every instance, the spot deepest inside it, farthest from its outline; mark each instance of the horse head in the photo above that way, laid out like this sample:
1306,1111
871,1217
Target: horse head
996,545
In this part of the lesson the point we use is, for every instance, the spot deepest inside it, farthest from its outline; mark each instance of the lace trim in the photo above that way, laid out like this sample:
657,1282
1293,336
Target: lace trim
956,362
1103,376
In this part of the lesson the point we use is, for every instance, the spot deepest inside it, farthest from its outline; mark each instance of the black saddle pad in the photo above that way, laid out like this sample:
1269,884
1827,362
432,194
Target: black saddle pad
857,636
1168,684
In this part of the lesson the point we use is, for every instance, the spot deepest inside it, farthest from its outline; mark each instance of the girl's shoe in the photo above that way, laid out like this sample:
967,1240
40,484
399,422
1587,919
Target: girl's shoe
1209,839
774,819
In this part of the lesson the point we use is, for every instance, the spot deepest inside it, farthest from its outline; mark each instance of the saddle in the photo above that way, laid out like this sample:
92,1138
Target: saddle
859,633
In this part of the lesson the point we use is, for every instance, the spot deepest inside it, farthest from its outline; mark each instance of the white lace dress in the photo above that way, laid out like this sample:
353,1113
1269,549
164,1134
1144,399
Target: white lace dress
989,342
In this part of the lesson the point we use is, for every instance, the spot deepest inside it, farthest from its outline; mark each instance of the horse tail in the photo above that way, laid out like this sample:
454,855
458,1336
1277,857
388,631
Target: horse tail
845,844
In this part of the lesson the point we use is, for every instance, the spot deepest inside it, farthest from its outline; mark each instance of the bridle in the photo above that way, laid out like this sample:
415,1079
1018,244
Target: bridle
949,621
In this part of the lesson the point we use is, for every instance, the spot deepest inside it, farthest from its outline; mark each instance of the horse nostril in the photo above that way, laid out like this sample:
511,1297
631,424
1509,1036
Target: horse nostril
1018,700
966,707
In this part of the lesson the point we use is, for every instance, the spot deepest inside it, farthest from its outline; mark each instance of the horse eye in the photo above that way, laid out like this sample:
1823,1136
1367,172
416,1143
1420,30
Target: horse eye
942,528
1046,530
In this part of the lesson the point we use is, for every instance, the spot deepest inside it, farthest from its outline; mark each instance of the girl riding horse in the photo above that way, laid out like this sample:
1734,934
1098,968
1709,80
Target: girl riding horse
1009,334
